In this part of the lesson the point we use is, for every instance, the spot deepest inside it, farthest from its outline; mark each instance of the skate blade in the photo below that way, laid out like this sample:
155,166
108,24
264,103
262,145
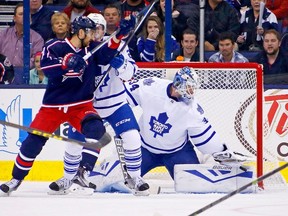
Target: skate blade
3,194
76,189
62,192
141,193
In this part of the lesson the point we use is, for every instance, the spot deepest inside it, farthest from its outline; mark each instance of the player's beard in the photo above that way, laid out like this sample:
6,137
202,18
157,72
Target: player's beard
79,6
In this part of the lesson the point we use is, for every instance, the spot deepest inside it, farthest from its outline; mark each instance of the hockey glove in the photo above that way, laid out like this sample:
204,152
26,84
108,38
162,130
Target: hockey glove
227,157
125,27
119,63
73,62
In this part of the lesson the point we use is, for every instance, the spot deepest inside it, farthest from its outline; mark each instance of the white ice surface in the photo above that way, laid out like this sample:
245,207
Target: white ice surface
31,199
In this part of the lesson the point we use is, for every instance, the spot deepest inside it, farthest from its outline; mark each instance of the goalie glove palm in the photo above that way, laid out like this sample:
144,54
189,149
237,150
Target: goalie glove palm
227,157
73,62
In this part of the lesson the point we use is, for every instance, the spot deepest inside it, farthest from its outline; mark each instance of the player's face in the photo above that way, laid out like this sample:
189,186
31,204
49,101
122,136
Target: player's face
271,44
152,26
99,34
226,47
90,36
189,44
111,16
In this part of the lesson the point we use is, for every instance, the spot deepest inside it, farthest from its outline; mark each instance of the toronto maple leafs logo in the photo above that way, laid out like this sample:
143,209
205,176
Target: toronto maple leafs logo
159,126
148,81
12,114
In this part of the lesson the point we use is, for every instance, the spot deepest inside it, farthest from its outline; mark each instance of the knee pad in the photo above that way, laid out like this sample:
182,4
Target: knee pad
92,127
32,145
131,139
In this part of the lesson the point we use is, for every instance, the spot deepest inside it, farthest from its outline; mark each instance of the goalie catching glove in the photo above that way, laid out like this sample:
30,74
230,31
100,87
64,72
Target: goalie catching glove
227,157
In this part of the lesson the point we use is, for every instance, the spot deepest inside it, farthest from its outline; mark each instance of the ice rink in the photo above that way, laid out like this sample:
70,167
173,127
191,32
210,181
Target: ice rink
31,199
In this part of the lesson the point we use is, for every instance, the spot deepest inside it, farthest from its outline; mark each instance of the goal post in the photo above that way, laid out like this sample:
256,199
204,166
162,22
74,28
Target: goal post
232,97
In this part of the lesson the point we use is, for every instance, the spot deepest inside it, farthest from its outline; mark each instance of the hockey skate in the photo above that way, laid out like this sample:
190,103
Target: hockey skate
60,187
138,186
81,178
7,188
78,185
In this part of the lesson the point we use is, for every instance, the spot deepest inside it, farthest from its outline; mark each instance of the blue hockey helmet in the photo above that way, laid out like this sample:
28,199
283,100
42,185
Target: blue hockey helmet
82,22
185,82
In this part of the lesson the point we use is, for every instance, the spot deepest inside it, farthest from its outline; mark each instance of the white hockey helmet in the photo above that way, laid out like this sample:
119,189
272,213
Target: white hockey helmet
185,82
98,19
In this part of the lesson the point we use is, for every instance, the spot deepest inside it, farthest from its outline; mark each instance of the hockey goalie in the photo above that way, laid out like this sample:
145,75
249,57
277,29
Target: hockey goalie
176,134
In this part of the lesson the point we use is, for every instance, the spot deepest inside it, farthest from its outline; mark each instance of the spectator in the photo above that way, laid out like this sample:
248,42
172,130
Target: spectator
279,8
78,8
11,43
36,74
188,52
132,7
226,50
179,20
274,63
151,43
60,25
41,19
247,40
6,70
220,16
284,45
112,15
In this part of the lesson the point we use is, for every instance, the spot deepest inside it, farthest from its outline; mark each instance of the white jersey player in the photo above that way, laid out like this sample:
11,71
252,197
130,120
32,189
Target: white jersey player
173,118
111,104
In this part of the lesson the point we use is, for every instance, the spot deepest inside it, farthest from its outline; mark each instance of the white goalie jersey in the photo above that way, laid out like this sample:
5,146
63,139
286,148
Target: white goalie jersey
166,124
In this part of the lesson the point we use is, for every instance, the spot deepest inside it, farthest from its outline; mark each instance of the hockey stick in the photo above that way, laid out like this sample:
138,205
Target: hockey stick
120,152
146,12
95,49
261,178
97,145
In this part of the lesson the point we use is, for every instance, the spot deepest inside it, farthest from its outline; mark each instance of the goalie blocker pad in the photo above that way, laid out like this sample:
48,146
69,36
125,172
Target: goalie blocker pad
211,178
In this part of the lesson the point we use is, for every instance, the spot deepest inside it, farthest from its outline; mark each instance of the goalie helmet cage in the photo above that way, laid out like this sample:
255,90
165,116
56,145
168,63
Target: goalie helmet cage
231,91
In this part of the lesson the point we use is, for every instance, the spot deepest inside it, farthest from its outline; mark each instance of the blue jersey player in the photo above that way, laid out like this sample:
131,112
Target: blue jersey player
110,101
69,93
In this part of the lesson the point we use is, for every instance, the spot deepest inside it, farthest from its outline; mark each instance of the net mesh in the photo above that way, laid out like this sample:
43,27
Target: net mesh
228,96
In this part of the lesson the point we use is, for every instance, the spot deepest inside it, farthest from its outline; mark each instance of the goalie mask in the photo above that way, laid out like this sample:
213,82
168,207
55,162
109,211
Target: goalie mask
185,82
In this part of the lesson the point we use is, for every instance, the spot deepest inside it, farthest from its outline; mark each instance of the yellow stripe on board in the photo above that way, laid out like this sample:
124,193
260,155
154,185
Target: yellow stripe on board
284,172
51,170
41,170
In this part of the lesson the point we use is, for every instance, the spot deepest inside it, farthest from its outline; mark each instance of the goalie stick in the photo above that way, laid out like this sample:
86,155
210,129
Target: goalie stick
120,152
261,178
146,11
97,145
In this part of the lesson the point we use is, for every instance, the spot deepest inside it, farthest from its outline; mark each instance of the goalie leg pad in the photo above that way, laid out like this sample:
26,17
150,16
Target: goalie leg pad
211,178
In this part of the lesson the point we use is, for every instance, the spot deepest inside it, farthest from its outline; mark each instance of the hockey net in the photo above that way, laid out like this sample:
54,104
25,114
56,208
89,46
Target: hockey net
232,97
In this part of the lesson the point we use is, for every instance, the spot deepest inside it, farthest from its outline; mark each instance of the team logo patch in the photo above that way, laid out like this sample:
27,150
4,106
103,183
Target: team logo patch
159,126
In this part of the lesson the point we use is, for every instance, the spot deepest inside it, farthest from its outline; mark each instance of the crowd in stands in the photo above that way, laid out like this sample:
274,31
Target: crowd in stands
234,31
